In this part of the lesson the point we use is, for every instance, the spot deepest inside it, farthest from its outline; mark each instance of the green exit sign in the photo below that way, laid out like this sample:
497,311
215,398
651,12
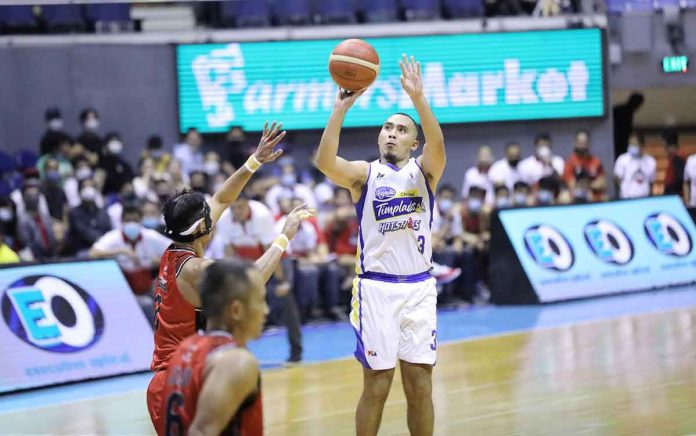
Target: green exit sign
675,64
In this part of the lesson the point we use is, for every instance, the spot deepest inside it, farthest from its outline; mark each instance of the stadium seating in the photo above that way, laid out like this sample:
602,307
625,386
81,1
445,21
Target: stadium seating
415,10
112,12
62,17
292,12
337,11
380,11
16,17
462,8
245,13
26,158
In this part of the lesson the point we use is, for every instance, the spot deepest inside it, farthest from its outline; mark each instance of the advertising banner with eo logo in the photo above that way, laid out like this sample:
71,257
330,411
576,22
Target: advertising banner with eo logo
603,248
69,321
467,78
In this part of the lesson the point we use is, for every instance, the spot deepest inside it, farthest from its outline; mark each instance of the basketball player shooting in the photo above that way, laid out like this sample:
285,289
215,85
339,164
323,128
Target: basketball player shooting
190,220
394,296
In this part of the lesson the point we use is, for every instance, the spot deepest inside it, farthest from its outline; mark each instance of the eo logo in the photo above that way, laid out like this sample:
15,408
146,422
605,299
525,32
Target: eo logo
667,234
609,242
52,314
549,248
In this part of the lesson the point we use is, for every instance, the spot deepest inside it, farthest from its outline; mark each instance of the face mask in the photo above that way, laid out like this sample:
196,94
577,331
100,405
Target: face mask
288,179
544,152
88,194
6,215
151,222
520,199
131,230
581,151
581,194
200,189
156,154
83,173
115,146
544,197
211,167
502,202
92,124
634,150
445,205
474,205
53,176
513,162
55,124
31,203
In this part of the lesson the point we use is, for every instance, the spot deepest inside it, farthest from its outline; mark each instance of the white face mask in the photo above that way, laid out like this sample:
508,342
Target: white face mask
55,124
88,193
92,124
132,230
5,214
544,152
634,150
474,205
544,197
83,173
211,167
115,146
520,198
445,205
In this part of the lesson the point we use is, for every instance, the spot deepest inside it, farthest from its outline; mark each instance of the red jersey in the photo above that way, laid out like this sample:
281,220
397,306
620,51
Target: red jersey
185,378
175,318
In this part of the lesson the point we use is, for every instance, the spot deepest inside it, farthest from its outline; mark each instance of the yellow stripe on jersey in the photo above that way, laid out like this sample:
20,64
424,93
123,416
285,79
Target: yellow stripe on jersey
355,305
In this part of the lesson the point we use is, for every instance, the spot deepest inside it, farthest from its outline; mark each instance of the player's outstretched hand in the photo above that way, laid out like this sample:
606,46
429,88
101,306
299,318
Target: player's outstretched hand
266,151
298,214
411,79
345,99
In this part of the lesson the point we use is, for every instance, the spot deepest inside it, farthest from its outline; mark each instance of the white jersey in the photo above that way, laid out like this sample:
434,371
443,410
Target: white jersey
395,212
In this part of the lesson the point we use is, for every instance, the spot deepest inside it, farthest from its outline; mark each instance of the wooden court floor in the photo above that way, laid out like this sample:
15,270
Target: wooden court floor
634,375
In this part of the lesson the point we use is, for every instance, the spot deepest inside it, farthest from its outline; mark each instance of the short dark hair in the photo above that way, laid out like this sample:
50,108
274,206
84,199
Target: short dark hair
639,136
542,137
550,183
501,187
521,185
224,281
446,187
131,209
85,112
415,124
52,113
154,142
181,211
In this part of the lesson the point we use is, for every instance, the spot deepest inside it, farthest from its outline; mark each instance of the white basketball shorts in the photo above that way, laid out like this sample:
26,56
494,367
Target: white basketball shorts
394,318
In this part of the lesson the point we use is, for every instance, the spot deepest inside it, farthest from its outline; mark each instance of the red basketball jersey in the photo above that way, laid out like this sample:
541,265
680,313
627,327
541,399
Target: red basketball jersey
175,318
185,377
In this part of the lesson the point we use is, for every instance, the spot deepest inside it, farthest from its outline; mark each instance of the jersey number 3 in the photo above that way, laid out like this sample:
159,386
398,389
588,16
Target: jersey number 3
421,243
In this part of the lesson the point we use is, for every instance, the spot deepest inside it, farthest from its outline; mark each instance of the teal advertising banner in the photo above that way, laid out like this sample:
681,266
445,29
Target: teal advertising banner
467,78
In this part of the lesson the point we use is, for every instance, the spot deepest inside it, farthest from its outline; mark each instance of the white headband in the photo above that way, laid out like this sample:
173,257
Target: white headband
192,228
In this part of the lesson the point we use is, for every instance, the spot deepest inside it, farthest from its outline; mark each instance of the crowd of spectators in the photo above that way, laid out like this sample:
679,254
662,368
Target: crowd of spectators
82,199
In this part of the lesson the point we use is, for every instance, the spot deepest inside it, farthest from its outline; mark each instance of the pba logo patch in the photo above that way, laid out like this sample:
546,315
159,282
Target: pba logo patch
609,242
549,248
52,314
667,234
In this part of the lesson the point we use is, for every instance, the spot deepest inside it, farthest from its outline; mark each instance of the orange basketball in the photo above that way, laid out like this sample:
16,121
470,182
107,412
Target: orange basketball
354,64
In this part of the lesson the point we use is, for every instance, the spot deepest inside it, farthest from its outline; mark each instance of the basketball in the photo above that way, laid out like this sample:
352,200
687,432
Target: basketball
354,64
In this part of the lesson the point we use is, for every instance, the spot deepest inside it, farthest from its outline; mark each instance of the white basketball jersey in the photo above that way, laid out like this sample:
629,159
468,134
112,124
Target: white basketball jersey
395,213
